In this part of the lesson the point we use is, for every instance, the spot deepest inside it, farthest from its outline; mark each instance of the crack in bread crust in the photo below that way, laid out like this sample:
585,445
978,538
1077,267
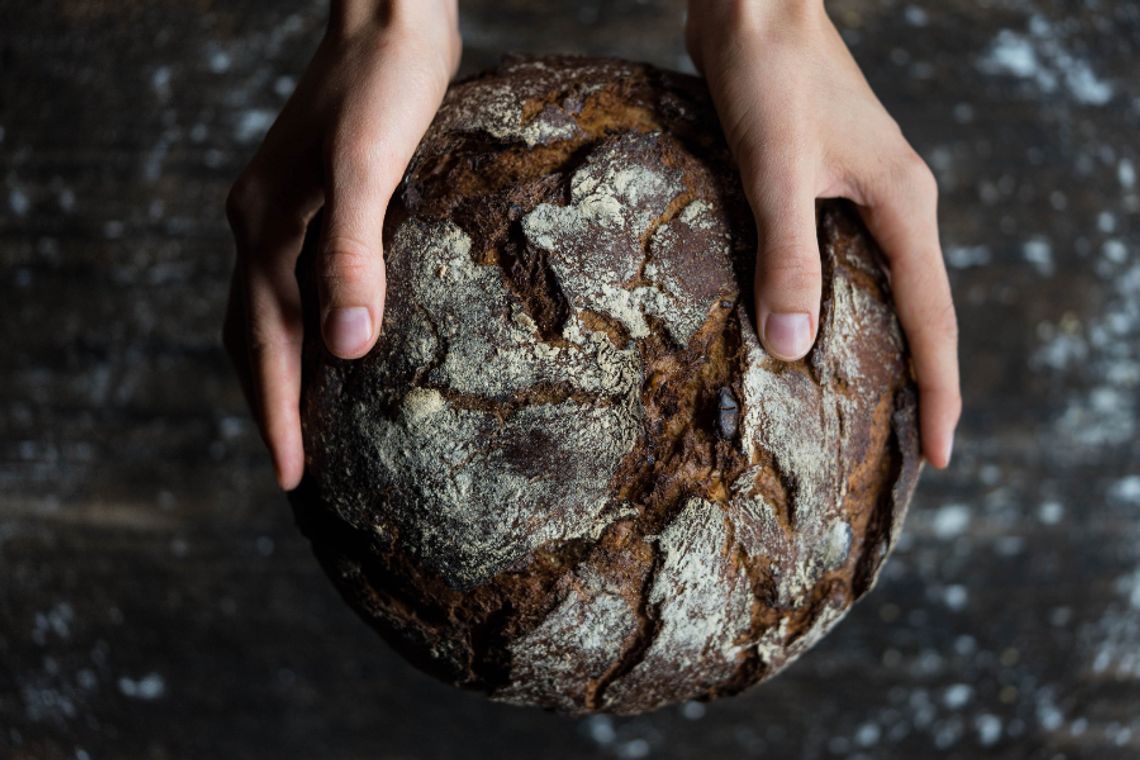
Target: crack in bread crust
568,475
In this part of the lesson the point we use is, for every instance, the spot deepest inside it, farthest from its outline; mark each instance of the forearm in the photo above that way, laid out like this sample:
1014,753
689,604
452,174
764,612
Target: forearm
721,16
432,25
349,17
714,27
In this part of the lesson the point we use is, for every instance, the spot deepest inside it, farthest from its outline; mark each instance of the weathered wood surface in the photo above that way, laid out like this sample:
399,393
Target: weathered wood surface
156,600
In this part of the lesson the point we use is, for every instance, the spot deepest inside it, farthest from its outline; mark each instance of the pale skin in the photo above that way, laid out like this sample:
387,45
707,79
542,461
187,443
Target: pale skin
799,116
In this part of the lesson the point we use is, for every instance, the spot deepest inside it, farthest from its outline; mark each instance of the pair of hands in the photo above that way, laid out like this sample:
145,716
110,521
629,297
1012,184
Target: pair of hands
799,117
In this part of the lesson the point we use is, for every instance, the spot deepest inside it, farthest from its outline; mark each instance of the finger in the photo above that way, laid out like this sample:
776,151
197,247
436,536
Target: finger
274,340
269,214
788,269
780,168
902,216
234,336
365,159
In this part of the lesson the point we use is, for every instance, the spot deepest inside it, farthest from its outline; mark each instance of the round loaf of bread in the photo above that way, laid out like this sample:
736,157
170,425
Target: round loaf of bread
568,474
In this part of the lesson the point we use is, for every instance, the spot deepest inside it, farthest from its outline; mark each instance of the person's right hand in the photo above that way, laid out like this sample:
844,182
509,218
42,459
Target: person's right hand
342,141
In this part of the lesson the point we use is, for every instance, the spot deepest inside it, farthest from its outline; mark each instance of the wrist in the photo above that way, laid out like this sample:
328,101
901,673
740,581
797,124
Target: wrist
721,18
351,18
714,28
434,23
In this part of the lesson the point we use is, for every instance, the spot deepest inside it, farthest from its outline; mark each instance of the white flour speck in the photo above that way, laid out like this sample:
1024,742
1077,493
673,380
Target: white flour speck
1128,586
18,202
1012,53
989,729
1050,513
150,687
56,621
964,256
633,749
160,82
1114,251
1039,253
867,735
915,16
1106,222
601,728
284,86
956,597
951,520
693,710
1127,489
957,696
1126,173
253,124
1048,715
219,61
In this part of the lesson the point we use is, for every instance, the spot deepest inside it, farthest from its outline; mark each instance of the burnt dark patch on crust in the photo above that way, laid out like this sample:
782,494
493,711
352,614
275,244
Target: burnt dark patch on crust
535,283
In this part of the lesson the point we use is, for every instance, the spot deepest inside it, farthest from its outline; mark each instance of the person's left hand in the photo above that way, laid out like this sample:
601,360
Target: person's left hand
803,124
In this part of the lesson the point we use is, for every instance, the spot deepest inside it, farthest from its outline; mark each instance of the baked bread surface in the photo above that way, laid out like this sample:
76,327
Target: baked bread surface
568,474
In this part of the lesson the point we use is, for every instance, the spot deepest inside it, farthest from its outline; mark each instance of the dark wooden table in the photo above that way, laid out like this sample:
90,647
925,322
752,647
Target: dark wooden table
156,600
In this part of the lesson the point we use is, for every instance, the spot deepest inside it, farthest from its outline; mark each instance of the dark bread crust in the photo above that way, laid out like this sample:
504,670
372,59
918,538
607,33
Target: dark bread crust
568,475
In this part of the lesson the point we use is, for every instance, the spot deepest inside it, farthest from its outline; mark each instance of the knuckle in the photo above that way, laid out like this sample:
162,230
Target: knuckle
365,166
946,325
955,404
790,267
917,177
265,341
345,260
240,199
251,204
935,334
356,151
782,160
947,400
908,181
940,381
357,154
948,394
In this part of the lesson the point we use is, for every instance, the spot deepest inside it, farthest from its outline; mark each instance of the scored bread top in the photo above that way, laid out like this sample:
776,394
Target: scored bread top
569,474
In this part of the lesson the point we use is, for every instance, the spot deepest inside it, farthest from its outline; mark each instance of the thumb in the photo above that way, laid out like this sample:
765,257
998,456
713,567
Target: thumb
365,162
788,270
351,280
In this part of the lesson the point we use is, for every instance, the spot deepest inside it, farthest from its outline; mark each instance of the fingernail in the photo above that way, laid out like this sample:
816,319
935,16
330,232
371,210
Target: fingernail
949,450
787,336
347,330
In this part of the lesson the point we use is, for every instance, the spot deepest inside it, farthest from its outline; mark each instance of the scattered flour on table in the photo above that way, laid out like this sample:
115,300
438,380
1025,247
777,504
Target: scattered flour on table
1040,55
